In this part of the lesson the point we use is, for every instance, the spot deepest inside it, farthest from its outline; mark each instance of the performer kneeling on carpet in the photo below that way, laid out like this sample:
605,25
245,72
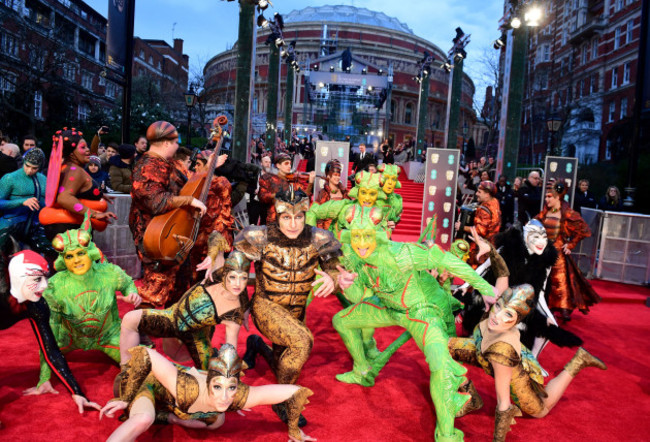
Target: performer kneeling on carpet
24,299
155,390
496,347
193,318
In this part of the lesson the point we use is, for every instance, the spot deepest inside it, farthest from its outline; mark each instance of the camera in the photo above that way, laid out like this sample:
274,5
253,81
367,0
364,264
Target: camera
466,218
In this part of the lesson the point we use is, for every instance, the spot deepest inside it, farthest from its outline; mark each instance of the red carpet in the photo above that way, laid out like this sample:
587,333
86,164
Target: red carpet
598,406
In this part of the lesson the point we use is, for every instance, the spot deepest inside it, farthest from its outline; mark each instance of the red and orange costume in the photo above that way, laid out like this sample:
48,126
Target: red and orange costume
488,224
156,186
324,195
569,289
271,184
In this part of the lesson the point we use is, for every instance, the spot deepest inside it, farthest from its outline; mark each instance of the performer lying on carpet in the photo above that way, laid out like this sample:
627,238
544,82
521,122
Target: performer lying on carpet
155,390
82,297
193,318
27,278
496,347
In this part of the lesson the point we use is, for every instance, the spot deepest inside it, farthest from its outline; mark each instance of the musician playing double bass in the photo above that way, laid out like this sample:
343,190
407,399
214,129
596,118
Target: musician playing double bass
157,182
271,184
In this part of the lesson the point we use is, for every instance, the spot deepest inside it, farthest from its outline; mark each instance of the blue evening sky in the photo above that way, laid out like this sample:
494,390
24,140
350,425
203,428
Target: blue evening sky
209,27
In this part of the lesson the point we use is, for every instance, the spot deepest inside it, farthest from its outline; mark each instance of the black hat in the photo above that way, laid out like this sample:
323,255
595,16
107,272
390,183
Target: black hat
126,151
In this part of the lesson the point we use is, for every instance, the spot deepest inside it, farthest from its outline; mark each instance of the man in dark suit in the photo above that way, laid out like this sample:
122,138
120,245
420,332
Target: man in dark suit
363,159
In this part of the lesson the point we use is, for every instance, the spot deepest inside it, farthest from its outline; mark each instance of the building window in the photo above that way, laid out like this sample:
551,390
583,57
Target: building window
593,84
151,60
408,115
7,82
69,72
87,80
9,45
83,111
614,78
623,108
612,111
594,49
38,105
393,109
564,36
627,70
630,27
619,5
142,54
617,38
585,54
547,52
110,89
102,80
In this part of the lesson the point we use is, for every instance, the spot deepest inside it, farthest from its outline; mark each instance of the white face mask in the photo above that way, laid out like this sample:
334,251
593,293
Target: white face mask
535,237
27,272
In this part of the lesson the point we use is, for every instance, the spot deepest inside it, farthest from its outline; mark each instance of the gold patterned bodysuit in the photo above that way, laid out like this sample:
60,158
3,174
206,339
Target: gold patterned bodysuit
485,348
192,320
284,271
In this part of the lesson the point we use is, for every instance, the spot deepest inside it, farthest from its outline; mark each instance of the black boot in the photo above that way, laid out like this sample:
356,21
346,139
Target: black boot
254,346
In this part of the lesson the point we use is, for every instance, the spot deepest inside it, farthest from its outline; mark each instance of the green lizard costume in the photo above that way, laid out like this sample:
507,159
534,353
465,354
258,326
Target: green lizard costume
393,205
411,298
366,193
81,296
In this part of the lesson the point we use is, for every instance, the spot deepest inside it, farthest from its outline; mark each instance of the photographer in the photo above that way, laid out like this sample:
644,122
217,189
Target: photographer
487,219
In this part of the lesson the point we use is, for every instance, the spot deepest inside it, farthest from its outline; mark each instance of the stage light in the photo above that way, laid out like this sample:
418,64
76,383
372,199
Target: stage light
369,88
380,72
500,42
263,4
364,71
316,67
279,42
515,23
262,22
321,85
331,68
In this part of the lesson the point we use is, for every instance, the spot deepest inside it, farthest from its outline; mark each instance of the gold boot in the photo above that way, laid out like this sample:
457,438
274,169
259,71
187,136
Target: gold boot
474,403
583,359
294,406
502,422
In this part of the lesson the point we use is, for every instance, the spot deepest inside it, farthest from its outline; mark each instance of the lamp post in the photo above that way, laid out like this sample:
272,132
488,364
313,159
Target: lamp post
553,124
520,16
454,66
190,101
465,132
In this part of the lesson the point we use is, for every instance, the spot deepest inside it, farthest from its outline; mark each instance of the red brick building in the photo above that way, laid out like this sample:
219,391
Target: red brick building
582,67
380,45
52,64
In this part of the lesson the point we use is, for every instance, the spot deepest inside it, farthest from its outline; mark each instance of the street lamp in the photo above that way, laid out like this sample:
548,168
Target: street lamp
190,101
553,124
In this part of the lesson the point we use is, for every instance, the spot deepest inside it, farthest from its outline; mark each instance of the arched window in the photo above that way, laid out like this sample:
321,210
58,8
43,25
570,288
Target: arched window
408,115
393,110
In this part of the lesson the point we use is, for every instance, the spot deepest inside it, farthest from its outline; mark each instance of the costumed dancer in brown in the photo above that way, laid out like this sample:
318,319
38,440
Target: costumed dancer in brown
156,186
271,184
487,220
332,189
287,254
495,346
566,228
155,390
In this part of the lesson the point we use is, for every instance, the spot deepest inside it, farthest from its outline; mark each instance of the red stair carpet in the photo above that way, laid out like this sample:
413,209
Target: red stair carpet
610,405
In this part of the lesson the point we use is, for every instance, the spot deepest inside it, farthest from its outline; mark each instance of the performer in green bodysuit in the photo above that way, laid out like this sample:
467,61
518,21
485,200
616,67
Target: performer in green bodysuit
410,298
393,205
366,193
81,296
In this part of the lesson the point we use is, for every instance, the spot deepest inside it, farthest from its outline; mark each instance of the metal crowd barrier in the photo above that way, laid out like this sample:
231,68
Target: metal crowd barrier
624,248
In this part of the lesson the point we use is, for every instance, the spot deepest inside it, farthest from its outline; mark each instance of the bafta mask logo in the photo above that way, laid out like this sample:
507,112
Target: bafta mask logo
434,174
340,152
435,158
448,191
324,151
428,220
569,167
446,207
553,166
450,175
444,238
432,190
445,223
431,206
451,159
568,182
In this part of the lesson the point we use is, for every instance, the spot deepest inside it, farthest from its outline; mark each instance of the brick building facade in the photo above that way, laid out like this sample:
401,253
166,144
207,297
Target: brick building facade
582,63
52,64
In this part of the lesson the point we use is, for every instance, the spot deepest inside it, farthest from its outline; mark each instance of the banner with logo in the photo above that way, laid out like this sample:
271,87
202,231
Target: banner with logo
561,168
326,151
116,35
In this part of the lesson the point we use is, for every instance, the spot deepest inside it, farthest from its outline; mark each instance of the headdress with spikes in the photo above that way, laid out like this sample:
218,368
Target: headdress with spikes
75,239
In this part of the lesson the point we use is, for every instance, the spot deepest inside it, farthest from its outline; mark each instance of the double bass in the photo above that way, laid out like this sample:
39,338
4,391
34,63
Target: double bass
171,236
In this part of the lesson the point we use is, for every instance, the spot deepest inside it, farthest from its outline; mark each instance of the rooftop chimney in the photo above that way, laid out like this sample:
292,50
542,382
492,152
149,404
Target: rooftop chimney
178,45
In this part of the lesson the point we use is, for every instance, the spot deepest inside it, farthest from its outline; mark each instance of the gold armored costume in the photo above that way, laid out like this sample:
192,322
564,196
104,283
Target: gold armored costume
284,271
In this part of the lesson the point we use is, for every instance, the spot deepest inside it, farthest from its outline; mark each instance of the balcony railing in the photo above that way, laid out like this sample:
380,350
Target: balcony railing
590,27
